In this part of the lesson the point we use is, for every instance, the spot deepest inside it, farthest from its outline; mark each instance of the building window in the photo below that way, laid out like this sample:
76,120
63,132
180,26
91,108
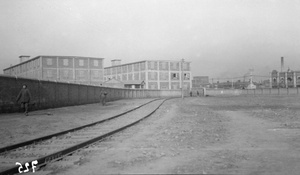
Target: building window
136,76
124,77
174,66
152,65
81,62
136,67
129,76
186,76
124,69
143,76
66,74
81,74
49,74
119,70
164,76
143,66
152,86
49,62
152,75
114,70
175,76
130,68
164,85
65,62
96,63
163,65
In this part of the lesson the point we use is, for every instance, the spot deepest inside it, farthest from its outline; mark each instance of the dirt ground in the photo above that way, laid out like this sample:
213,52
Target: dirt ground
205,135
213,135
17,127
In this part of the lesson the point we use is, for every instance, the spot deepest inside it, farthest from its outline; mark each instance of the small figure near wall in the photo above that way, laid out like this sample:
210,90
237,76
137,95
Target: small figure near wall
24,97
103,95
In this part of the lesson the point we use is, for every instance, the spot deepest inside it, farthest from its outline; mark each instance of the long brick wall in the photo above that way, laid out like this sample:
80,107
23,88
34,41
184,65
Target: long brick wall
49,94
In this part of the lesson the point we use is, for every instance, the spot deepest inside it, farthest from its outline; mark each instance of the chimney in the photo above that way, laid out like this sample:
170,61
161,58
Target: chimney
24,58
115,62
282,63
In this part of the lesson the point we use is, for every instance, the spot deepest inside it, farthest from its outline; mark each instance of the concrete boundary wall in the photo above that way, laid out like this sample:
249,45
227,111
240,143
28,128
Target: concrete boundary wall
50,94
266,91
273,91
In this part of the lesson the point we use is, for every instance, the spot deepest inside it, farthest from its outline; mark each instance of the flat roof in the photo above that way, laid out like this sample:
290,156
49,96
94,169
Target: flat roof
46,56
144,61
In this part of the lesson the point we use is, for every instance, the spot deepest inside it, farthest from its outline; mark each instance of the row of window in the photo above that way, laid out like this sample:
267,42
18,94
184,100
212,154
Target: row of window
152,65
125,68
68,74
152,76
67,62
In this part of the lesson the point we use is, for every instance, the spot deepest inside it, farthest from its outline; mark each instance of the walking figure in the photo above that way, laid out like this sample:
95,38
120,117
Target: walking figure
191,93
103,97
24,97
197,93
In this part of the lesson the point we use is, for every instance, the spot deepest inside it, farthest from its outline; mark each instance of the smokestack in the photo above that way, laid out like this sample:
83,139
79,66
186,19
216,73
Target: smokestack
282,63
24,58
115,62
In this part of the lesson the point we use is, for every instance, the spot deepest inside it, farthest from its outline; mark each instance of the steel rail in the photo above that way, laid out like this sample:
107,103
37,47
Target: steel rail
33,141
63,153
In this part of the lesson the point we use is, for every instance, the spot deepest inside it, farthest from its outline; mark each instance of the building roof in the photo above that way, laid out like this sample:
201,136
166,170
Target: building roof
143,61
47,56
133,82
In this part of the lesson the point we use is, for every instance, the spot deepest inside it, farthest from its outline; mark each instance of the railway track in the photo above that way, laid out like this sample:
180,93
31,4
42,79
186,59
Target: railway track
29,156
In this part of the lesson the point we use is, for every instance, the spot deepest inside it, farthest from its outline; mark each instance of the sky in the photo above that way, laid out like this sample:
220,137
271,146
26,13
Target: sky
221,38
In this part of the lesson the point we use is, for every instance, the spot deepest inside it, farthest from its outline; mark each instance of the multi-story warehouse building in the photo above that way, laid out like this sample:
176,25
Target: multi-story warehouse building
84,70
151,74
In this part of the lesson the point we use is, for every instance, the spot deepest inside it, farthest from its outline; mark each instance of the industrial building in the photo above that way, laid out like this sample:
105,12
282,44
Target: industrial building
72,69
285,79
150,74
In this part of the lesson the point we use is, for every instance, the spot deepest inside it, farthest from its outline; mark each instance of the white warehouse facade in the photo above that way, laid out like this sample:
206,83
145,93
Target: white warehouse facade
151,74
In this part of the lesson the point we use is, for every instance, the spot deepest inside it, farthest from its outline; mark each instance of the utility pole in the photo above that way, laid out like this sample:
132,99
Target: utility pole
182,61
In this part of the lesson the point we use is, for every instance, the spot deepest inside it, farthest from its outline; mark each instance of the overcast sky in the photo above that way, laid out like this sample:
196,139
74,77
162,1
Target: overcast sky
222,38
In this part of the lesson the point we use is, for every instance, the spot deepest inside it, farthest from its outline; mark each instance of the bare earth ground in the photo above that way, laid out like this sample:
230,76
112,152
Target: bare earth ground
17,127
219,135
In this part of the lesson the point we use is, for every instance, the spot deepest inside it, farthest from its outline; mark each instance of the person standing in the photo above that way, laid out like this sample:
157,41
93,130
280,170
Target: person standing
103,97
24,98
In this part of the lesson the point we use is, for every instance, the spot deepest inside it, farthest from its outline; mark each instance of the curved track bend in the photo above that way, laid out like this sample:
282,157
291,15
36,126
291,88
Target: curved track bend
56,146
